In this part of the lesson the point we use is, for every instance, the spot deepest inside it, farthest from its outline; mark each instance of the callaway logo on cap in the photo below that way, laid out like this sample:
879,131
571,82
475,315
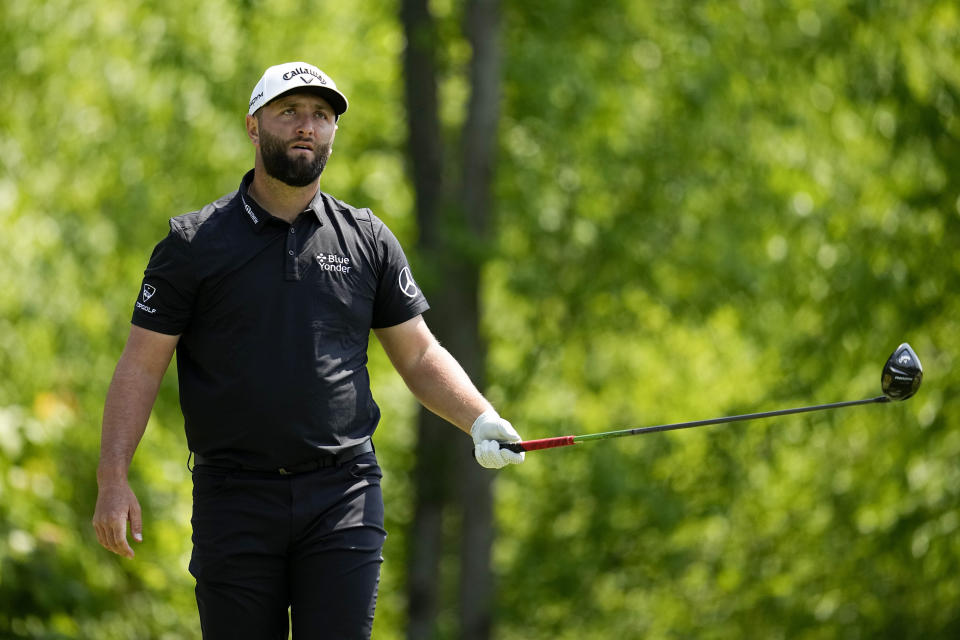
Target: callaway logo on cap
296,76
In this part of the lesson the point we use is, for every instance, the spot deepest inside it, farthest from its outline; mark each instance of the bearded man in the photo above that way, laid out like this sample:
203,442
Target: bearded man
268,296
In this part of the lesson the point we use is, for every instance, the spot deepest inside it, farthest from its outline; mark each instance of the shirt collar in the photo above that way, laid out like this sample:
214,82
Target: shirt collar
258,216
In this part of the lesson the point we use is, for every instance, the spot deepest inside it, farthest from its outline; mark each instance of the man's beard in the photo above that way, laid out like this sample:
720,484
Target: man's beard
296,172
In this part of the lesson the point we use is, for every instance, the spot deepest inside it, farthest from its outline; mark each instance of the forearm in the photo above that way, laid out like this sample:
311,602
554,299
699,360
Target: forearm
126,411
442,386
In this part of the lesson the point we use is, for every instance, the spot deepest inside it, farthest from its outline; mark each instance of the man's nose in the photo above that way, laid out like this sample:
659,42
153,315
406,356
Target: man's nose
305,126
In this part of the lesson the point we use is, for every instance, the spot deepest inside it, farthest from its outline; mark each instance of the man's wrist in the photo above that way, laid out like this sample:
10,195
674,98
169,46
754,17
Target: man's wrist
111,474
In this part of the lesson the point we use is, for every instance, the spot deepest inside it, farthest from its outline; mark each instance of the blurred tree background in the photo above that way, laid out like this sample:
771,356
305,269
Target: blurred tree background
701,208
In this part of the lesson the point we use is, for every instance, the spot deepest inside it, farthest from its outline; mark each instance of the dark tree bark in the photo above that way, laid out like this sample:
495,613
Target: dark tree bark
431,472
453,214
479,149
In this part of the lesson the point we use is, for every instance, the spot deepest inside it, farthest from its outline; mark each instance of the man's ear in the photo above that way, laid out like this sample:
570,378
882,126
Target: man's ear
253,130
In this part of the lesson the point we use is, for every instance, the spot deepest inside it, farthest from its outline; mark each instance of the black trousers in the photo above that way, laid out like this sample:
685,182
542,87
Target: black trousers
264,543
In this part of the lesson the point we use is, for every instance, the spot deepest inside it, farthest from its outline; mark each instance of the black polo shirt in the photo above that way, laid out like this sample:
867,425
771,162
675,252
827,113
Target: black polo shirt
274,320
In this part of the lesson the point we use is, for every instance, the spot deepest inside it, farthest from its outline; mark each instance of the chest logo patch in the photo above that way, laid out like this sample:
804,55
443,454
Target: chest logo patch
407,285
333,262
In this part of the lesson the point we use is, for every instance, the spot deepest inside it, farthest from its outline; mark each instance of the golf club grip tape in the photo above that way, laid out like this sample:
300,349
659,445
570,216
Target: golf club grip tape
533,445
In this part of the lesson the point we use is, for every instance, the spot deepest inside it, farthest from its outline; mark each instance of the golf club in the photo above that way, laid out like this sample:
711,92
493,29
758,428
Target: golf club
900,379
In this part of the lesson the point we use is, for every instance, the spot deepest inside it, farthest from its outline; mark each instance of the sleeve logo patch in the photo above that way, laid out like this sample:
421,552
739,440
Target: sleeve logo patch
146,294
407,285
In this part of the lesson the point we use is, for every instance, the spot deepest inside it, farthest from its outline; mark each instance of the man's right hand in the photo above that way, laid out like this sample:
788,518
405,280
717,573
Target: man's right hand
117,505
125,414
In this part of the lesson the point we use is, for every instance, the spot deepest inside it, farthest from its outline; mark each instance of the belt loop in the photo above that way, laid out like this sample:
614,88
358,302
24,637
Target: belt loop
189,456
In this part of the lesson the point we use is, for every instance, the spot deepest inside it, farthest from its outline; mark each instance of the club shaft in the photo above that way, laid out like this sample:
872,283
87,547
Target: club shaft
562,441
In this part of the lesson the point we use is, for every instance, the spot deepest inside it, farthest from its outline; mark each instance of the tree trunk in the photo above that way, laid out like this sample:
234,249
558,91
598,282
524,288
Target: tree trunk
451,208
431,471
479,147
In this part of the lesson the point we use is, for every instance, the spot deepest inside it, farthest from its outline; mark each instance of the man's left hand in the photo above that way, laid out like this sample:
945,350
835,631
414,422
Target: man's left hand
488,431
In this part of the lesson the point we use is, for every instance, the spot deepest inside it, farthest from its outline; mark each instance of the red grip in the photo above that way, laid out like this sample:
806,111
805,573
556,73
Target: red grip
546,443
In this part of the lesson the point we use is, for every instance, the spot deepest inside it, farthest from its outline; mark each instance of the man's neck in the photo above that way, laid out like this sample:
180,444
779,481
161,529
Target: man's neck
280,199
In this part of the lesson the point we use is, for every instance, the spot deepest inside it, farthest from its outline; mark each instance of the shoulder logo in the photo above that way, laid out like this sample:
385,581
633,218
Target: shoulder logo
407,285
146,294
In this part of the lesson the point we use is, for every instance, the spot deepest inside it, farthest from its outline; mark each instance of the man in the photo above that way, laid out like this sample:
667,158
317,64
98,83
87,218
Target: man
268,296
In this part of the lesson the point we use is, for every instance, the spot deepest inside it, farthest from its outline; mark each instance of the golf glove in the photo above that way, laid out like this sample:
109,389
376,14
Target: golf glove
488,431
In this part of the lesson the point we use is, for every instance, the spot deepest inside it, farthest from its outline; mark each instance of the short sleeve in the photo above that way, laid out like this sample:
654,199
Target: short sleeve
398,297
166,297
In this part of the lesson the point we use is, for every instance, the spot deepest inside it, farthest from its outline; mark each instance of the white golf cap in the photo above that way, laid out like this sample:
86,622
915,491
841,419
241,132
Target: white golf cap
296,76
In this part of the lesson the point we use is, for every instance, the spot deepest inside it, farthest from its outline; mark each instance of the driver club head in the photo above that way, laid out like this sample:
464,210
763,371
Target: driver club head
902,374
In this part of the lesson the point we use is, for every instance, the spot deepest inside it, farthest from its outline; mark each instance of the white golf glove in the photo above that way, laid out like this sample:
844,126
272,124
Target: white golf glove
488,431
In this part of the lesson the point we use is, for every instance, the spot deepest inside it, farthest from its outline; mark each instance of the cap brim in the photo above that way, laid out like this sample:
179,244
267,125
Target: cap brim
334,97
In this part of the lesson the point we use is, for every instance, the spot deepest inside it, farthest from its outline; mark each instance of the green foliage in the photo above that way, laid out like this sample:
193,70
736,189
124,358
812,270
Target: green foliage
713,208
703,208
119,116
